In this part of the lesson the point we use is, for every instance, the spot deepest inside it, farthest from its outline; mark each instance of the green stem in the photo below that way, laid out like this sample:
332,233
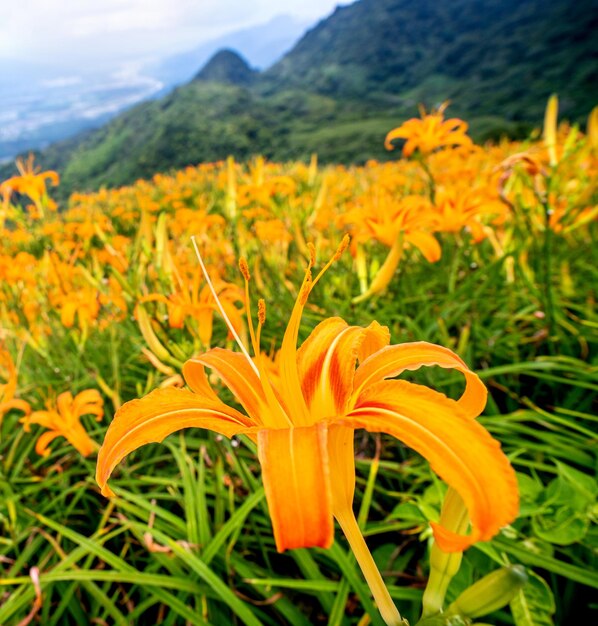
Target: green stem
431,182
547,251
444,565
386,606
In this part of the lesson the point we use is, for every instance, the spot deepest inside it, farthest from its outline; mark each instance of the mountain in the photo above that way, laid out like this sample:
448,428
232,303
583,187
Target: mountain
349,80
41,103
227,67
261,45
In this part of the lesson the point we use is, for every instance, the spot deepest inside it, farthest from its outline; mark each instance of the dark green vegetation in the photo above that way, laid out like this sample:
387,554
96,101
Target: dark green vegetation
355,76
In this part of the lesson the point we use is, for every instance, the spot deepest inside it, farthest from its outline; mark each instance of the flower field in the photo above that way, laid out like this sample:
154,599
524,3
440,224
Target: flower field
189,366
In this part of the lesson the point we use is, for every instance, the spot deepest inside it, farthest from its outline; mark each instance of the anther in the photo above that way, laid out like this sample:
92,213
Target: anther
343,246
305,289
312,254
244,269
261,311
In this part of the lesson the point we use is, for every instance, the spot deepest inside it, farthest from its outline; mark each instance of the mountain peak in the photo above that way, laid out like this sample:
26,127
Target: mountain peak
229,67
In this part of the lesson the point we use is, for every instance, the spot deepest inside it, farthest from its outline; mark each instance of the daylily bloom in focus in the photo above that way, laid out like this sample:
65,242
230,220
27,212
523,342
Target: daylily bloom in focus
62,418
304,418
430,132
8,388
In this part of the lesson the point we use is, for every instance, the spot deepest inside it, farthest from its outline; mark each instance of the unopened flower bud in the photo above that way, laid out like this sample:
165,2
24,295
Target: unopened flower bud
490,593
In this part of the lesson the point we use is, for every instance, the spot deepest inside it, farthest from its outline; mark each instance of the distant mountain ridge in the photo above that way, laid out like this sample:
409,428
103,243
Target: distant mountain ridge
35,109
349,80
261,45
228,68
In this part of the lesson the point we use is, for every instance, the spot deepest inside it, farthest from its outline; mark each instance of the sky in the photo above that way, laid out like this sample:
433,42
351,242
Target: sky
75,32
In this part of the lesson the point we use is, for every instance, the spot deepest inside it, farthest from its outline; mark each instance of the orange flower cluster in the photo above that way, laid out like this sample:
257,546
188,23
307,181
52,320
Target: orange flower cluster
124,255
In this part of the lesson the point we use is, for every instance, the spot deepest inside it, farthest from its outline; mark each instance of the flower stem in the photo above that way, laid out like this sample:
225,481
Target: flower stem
386,606
547,252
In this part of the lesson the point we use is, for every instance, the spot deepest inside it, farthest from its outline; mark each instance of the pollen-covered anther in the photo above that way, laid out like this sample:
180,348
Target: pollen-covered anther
244,269
342,247
312,254
261,311
305,289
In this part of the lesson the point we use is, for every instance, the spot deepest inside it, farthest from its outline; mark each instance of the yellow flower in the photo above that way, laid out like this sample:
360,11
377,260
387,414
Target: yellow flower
430,132
303,421
63,419
8,388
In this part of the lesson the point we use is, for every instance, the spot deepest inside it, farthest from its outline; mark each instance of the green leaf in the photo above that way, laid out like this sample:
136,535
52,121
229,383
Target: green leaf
562,527
530,489
408,511
582,483
534,603
525,555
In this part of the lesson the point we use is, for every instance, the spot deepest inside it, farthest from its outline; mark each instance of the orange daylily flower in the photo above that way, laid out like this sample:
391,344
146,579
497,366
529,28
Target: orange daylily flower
30,182
430,132
193,302
8,388
458,208
62,418
303,421
396,224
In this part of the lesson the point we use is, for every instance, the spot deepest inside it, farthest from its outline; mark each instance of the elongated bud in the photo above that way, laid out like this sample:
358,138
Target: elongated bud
592,128
490,593
149,335
230,204
386,272
550,119
244,269
444,565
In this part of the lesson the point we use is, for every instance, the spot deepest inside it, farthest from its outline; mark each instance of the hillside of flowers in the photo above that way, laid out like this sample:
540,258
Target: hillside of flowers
187,365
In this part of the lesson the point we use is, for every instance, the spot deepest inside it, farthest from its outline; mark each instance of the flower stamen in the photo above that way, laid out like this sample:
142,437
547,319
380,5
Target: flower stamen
227,321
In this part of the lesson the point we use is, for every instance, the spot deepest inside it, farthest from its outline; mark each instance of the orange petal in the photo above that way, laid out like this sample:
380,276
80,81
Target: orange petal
459,450
44,440
341,453
88,402
64,403
196,378
374,339
393,360
296,479
396,133
76,435
426,243
238,375
157,415
19,405
326,363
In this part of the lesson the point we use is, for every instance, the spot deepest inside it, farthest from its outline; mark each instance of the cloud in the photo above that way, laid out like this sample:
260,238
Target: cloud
78,30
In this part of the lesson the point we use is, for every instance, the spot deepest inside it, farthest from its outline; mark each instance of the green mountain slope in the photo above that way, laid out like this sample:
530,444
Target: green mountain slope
494,57
348,81
227,67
